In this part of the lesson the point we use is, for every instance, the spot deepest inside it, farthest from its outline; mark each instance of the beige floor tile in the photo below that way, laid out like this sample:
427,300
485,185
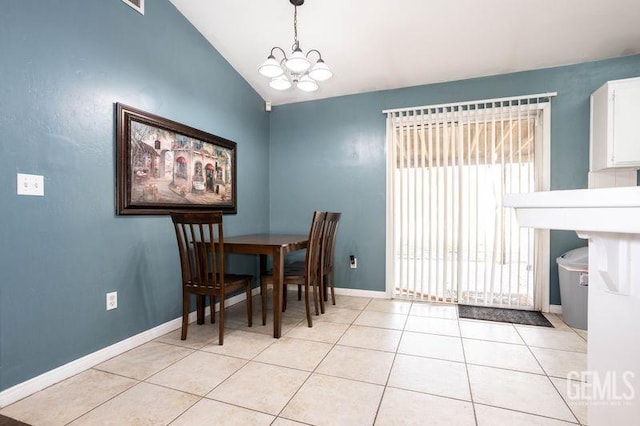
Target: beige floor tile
436,310
487,330
557,321
571,391
434,376
389,306
381,320
552,339
352,302
325,400
519,391
133,407
281,421
322,331
344,316
198,336
198,373
207,411
86,390
431,345
295,353
492,416
442,326
260,387
500,355
241,344
560,363
379,339
582,333
288,321
358,364
401,407
145,360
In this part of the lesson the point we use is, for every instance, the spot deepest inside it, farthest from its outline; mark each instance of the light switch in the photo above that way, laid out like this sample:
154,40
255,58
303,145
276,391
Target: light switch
30,185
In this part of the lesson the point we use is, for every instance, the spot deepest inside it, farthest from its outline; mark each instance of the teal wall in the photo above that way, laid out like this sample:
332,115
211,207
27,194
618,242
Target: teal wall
64,63
329,154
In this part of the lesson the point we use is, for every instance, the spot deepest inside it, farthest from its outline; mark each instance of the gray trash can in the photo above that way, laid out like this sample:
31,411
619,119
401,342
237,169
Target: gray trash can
573,271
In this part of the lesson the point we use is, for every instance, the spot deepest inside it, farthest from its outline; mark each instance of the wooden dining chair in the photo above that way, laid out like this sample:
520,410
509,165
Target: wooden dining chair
307,276
329,232
201,248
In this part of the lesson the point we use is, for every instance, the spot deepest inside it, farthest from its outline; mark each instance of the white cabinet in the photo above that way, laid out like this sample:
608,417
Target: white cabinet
615,125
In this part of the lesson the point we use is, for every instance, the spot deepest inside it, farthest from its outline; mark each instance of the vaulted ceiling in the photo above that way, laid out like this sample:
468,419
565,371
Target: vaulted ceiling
384,44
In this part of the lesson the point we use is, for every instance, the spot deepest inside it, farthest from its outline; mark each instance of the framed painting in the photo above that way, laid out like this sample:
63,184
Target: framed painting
162,165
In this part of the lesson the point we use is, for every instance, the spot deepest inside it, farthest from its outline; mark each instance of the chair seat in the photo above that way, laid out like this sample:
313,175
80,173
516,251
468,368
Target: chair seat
232,282
293,274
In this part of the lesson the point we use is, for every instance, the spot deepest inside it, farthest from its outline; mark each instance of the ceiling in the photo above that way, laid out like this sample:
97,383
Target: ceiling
384,44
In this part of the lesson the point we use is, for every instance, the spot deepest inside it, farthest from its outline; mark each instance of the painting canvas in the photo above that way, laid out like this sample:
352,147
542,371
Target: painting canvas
164,165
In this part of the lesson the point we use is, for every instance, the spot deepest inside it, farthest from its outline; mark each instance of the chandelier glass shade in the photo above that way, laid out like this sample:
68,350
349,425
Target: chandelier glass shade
297,68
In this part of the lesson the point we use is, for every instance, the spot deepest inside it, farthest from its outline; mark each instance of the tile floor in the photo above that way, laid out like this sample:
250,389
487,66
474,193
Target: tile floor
365,361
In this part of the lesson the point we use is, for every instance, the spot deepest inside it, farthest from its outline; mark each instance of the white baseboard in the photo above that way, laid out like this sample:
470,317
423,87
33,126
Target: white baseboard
51,377
555,309
361,293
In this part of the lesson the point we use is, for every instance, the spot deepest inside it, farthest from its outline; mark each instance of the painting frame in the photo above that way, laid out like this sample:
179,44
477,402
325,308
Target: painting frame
164,166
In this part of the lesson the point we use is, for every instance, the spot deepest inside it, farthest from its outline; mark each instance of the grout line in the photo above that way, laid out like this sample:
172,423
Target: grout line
466,368
333,345
395,356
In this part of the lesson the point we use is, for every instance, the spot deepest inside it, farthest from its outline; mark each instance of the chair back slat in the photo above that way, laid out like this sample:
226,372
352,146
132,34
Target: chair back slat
314,246
329,240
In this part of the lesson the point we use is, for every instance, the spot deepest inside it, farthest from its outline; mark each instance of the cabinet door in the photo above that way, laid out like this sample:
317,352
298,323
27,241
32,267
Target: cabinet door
626,124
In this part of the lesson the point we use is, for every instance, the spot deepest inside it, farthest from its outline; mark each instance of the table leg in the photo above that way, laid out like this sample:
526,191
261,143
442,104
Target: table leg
278,278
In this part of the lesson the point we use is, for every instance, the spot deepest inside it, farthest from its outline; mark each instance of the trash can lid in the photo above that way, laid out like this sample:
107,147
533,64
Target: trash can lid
576,259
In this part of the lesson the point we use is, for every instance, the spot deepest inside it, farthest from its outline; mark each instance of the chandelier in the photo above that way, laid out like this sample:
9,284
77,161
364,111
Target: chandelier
297,68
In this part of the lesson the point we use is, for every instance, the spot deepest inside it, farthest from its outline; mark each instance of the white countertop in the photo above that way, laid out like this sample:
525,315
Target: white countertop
602,210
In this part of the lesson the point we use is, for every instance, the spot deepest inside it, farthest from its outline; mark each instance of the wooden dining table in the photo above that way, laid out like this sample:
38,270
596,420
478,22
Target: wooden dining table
276,246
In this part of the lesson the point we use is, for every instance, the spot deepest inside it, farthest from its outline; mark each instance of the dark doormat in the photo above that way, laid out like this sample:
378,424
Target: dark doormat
8,421
513,316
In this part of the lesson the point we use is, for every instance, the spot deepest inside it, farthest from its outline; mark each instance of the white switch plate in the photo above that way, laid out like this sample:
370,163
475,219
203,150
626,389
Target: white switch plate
112,300
30,185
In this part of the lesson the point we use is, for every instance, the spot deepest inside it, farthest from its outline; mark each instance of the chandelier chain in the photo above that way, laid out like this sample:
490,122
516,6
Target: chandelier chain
295,27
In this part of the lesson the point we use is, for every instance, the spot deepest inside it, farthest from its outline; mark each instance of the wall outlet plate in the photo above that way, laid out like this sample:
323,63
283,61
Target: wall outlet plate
30,185
353,262
112,300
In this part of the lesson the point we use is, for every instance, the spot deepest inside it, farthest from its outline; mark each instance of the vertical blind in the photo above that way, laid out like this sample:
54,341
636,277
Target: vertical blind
449,165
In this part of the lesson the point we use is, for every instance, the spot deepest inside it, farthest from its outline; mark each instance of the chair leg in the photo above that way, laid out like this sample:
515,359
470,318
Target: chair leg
249,305
263,295
185,315
221,321
315,296
306,304
333,294
213,309
322,291
284,297
299,292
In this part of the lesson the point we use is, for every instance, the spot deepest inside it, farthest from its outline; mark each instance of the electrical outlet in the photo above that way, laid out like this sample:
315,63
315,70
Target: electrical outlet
30,185
353,262
112,300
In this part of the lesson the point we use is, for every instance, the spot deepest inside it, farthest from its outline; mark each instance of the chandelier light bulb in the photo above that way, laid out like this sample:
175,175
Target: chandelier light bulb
320,71
298,63
271,68
307,84
280,83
